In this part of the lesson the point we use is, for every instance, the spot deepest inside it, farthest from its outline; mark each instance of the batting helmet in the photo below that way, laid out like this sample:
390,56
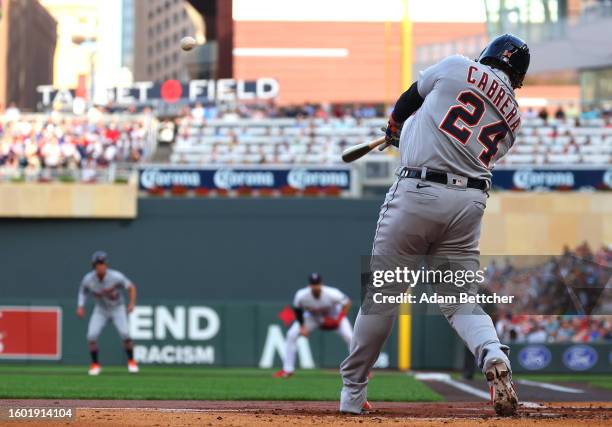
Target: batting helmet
99,257
510,54
315,279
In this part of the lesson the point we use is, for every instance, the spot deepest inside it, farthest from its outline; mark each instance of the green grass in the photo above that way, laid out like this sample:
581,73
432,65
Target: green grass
594,380
176,383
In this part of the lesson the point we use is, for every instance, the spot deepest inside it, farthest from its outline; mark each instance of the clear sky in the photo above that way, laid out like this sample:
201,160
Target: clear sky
359,10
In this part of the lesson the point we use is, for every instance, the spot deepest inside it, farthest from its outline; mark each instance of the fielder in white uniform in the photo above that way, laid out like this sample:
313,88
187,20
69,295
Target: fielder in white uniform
106,286
316,307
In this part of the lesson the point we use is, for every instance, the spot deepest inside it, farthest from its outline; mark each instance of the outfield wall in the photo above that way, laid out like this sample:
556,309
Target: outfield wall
68,200
214,251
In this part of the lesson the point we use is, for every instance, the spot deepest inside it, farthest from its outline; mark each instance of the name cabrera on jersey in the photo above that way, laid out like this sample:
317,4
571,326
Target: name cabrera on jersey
468,120
106,292
329,302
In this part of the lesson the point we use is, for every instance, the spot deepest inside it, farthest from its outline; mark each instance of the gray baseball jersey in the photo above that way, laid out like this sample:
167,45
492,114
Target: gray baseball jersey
107,292
467,122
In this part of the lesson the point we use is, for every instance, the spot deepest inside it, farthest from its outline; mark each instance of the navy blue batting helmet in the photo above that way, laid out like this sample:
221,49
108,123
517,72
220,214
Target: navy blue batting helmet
510,54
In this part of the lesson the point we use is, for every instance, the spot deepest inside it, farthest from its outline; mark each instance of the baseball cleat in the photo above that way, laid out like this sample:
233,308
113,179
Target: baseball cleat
282,374
364,409
94,369
501,388
132,367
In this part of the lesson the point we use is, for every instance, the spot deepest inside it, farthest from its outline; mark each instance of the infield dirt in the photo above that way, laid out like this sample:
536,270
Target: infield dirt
266,413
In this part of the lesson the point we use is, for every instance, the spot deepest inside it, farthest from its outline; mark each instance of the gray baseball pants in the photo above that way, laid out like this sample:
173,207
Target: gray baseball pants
101,316
421,218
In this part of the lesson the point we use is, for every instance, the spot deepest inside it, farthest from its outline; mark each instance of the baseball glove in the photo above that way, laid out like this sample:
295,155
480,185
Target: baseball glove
329,324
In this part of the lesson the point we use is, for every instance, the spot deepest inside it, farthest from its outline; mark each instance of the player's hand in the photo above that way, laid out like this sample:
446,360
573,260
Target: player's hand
130,308
392,132
80,312
304,331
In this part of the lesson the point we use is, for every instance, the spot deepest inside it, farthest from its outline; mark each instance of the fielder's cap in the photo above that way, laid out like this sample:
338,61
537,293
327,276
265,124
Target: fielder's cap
315,279
99,257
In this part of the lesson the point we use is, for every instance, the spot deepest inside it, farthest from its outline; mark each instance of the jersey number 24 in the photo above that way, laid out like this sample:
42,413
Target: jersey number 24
489,136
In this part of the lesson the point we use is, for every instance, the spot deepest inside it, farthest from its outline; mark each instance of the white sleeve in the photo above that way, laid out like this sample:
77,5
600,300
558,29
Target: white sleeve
338,296
297,300
123,280
429,76
82,297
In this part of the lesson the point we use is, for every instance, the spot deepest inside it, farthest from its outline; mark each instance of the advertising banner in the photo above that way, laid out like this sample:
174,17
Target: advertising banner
566,358
178,333
30,333
296,177
552,179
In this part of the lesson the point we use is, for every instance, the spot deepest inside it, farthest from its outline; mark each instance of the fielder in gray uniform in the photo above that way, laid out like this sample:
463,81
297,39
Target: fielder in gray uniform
107,286
451,126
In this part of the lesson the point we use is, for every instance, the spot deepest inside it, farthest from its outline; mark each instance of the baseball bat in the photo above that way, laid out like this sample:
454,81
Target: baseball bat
356,151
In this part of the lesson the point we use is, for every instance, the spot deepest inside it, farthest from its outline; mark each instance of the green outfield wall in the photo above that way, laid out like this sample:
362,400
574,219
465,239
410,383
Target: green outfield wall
187,332
197,263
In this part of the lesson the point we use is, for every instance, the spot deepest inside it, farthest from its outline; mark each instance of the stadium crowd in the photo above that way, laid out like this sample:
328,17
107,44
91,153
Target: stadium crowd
30,144
317,134
559,300
266,134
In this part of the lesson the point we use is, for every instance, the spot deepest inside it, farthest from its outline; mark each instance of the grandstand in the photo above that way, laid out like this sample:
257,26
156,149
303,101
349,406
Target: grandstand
43,146
321,140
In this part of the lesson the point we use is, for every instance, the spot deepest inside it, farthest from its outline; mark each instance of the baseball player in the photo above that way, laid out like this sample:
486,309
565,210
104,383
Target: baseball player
106,286
463,118
315,306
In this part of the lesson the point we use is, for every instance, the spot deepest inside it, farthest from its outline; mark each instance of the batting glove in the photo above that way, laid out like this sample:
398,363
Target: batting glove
392,132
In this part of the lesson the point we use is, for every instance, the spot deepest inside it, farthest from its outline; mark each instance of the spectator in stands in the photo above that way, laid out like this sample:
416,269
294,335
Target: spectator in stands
12,113
56,142
560,113
543,114
557,307
572,111
530,114
197,112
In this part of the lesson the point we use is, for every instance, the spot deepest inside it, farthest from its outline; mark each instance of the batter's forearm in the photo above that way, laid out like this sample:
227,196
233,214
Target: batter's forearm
407,104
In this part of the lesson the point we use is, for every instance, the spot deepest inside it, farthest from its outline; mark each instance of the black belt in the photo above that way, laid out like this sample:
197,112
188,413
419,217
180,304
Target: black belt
443,178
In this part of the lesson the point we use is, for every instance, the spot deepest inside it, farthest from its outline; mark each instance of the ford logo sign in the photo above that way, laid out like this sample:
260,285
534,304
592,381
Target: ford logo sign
534,357
580,357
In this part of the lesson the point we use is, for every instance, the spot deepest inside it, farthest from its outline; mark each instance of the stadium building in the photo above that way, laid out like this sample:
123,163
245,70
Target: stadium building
27,46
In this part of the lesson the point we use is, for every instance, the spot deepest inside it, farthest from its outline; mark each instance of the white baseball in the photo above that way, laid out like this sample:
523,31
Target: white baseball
188,43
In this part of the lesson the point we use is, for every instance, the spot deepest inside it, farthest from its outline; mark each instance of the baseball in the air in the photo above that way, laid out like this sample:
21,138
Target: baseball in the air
188,43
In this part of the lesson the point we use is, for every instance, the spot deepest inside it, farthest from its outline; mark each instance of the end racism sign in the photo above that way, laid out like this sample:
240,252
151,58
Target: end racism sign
173,91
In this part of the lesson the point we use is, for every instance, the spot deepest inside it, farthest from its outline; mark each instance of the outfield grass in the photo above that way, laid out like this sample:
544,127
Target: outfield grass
595,380
177,383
